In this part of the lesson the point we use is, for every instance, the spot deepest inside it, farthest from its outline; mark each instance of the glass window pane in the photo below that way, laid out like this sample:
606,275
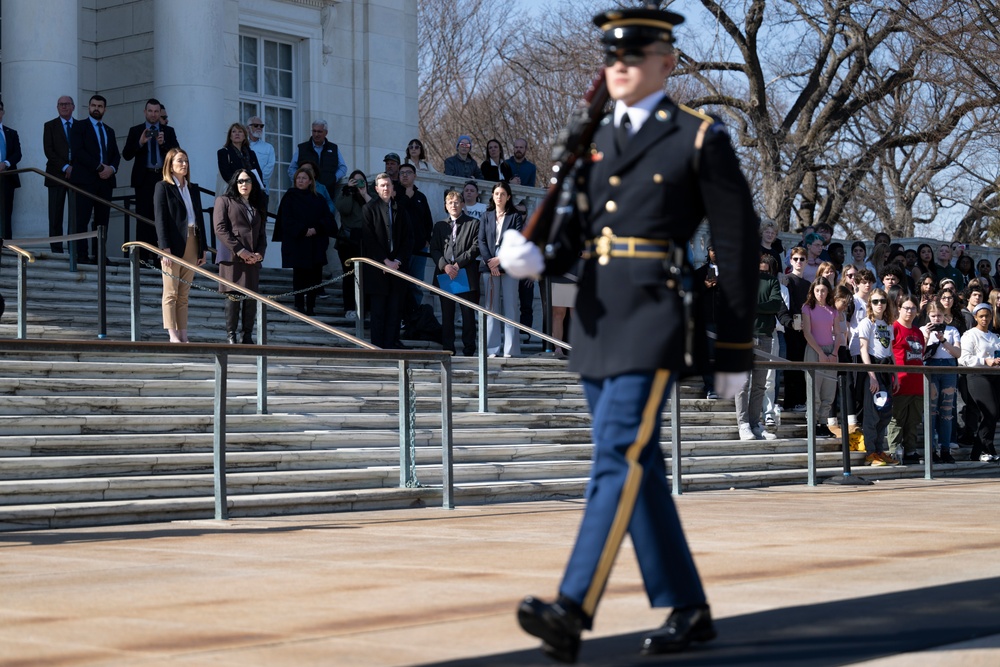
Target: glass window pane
270,81
286,146
285,121
270,54
247,109
248,50
285,85
285,56
248,78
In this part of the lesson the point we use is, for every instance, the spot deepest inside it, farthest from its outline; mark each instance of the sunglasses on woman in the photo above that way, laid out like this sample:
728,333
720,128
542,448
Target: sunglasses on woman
878,302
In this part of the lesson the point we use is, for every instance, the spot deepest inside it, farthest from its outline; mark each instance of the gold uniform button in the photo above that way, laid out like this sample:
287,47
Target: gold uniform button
615,181
611,207
657,178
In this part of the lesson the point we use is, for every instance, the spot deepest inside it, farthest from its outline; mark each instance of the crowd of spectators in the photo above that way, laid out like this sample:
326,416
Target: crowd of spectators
887,305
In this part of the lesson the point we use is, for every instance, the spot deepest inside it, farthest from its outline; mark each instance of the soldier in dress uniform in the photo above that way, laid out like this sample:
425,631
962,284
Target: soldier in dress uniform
655,171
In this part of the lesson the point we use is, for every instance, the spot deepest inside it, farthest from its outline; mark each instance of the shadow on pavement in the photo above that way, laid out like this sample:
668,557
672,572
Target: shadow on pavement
820,635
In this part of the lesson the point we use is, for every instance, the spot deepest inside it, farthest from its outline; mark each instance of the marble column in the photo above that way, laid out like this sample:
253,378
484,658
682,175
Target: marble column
41,56
194,47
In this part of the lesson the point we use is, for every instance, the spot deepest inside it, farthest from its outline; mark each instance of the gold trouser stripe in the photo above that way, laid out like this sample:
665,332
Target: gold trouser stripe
629,493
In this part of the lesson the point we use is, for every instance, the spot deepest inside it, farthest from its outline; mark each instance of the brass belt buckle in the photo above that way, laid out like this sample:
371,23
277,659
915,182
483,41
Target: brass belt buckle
604,245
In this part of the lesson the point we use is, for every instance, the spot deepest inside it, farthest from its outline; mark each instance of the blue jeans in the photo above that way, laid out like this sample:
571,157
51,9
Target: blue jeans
942,402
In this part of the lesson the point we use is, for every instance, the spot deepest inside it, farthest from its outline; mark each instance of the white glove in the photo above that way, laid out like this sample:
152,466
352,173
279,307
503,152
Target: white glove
519,257
728,384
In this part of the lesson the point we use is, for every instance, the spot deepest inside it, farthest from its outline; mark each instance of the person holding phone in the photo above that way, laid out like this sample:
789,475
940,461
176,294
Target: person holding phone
943,349
350,202
981,347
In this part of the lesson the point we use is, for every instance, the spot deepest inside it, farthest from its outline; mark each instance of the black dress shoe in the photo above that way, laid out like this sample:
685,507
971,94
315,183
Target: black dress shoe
558,624
231,337
683,626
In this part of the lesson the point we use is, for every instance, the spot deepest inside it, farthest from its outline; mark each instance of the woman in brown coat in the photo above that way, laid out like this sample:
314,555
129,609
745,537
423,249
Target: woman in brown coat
239,227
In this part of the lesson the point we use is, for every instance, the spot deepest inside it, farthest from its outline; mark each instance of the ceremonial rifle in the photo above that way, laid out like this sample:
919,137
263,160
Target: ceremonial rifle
561,202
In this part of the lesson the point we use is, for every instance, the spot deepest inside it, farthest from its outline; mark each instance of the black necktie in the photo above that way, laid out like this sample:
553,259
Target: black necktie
66,126
154,156
389,220
622,135
103,142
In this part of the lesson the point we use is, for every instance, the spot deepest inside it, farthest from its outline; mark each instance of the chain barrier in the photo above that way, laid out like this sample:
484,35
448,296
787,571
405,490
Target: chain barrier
233,296
411,409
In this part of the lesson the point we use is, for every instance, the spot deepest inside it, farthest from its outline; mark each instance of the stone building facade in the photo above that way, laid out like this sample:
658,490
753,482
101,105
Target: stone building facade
212,62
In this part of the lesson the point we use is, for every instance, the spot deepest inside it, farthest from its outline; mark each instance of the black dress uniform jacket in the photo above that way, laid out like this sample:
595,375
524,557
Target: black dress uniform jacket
677,169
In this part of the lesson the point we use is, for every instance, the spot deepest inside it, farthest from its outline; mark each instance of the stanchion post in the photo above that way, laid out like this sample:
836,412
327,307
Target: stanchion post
810,427
928,433
22,296
219,437
483,364
405,460
135,282
359,301
261,359
102,282
675,438
447,463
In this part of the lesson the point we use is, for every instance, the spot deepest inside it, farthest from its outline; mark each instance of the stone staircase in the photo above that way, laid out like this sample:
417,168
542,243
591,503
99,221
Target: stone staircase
91,439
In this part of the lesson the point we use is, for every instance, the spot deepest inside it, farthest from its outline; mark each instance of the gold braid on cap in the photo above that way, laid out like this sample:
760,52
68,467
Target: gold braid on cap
650,23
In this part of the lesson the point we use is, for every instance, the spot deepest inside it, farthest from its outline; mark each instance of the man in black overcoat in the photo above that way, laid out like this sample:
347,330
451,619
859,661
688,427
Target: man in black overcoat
387,238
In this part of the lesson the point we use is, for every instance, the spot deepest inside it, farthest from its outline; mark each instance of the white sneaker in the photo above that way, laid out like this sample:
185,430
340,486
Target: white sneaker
746,433
985,458
761,434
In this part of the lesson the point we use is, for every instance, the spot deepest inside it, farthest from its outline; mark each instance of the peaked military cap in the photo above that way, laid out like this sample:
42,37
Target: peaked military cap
630,28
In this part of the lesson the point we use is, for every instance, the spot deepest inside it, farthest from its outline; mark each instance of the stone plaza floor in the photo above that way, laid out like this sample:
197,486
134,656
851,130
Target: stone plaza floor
903,572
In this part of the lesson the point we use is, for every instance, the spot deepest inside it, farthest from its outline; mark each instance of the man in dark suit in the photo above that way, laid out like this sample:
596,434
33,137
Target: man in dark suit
10,155
95,163
385,237
656,170
147,143
55,143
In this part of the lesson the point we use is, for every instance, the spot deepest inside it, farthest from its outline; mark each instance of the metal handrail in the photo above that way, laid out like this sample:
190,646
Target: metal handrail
19,251
481,312
221,354
468,304
23,258
260,298
810,368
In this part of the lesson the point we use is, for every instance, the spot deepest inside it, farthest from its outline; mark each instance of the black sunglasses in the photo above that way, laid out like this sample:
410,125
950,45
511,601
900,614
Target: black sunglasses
631,57
876,302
